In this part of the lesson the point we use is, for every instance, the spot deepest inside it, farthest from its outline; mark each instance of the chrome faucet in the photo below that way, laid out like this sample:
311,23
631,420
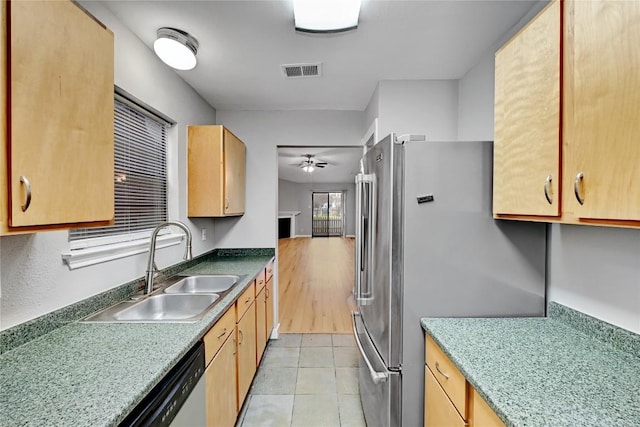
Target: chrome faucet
151,265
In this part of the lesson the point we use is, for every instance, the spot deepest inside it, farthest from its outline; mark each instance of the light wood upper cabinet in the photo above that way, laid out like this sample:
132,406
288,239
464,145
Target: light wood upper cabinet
216,172
527,119
599,151
220,378
602,109
57,145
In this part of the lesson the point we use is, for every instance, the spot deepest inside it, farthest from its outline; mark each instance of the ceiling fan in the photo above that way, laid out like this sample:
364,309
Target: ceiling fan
308,165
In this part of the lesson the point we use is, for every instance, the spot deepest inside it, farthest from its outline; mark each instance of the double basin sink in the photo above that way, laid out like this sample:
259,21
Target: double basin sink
188,299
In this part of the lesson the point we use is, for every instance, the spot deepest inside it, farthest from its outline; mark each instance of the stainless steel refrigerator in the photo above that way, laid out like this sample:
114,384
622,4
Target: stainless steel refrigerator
427,245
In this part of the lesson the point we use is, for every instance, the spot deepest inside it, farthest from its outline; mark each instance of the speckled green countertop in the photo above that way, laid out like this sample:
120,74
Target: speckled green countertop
547,371
94,374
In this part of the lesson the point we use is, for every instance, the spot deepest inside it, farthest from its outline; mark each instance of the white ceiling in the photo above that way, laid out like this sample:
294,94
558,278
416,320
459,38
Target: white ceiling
344,163
243,44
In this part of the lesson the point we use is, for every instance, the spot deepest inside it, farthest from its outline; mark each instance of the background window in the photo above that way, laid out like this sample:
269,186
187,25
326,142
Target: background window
140,178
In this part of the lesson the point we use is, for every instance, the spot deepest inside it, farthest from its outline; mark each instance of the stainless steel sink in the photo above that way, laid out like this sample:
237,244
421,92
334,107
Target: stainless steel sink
159,308
203,284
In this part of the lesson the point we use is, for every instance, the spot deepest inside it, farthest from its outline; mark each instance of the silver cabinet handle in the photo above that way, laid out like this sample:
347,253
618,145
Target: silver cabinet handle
226,203
376,377
441,373
27,186
234,346
547,194
576,187
241,337
223,333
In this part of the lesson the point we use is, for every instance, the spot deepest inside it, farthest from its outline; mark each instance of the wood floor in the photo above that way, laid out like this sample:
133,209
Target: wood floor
315,277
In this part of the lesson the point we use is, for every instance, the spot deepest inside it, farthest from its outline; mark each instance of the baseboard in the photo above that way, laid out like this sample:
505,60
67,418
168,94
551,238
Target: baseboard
274,332
301,235
350,236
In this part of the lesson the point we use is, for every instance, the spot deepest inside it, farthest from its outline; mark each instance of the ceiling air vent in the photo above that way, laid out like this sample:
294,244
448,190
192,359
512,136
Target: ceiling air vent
302,70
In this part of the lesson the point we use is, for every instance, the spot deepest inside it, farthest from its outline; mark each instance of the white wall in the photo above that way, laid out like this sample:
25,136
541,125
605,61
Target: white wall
428,107
288,199
296,196
263,132
34,281
595,270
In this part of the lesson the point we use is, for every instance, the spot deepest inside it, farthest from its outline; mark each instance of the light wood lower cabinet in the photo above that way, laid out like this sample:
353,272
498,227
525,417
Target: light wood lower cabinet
233,349
220,379
439,411
261,324
246,336
483,415
269,307
449,398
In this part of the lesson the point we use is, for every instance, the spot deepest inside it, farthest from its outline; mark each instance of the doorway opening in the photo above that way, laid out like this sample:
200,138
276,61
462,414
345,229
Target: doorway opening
316,198
327,214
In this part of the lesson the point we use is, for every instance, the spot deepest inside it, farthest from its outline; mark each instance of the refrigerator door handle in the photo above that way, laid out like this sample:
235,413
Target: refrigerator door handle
359,252
376,376
365,194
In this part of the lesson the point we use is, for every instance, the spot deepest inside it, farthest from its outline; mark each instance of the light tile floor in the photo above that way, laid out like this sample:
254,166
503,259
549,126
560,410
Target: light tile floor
306,380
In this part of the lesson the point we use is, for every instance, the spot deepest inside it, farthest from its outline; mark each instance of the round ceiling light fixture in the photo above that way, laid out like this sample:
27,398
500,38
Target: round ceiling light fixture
176,48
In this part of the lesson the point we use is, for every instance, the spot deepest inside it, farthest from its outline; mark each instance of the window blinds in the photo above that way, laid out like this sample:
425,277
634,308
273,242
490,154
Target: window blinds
140,177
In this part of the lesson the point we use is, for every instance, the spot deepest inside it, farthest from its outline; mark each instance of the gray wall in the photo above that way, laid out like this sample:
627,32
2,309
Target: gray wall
34,281
263,132
428,107
295,196
595,270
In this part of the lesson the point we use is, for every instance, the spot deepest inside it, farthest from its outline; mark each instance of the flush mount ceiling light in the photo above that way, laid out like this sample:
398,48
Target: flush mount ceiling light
326,16
176,48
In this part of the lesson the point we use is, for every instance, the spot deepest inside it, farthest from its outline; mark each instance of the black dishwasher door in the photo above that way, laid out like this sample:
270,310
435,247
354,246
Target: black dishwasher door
162,404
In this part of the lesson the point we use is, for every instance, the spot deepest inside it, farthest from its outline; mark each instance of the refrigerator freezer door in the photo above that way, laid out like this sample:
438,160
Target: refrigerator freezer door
379,388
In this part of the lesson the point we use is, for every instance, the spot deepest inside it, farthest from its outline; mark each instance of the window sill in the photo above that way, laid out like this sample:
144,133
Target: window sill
98,254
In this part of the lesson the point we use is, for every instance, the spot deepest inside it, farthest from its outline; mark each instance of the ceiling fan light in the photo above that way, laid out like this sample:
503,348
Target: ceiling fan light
308,168
176,48
326,16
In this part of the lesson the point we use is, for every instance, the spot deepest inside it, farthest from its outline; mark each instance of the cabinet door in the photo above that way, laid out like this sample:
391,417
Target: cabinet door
269,302
438,409
234,174
527,119
261,324
220,379
61,132
246,352
482,415
602,108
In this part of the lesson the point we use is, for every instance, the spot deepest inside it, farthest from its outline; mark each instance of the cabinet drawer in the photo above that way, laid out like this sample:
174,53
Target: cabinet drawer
269,270
218,333
445,372
245,300
438,409
260,281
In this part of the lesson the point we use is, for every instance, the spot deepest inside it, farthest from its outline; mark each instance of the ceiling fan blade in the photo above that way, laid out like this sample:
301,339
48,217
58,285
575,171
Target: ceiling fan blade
320,165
